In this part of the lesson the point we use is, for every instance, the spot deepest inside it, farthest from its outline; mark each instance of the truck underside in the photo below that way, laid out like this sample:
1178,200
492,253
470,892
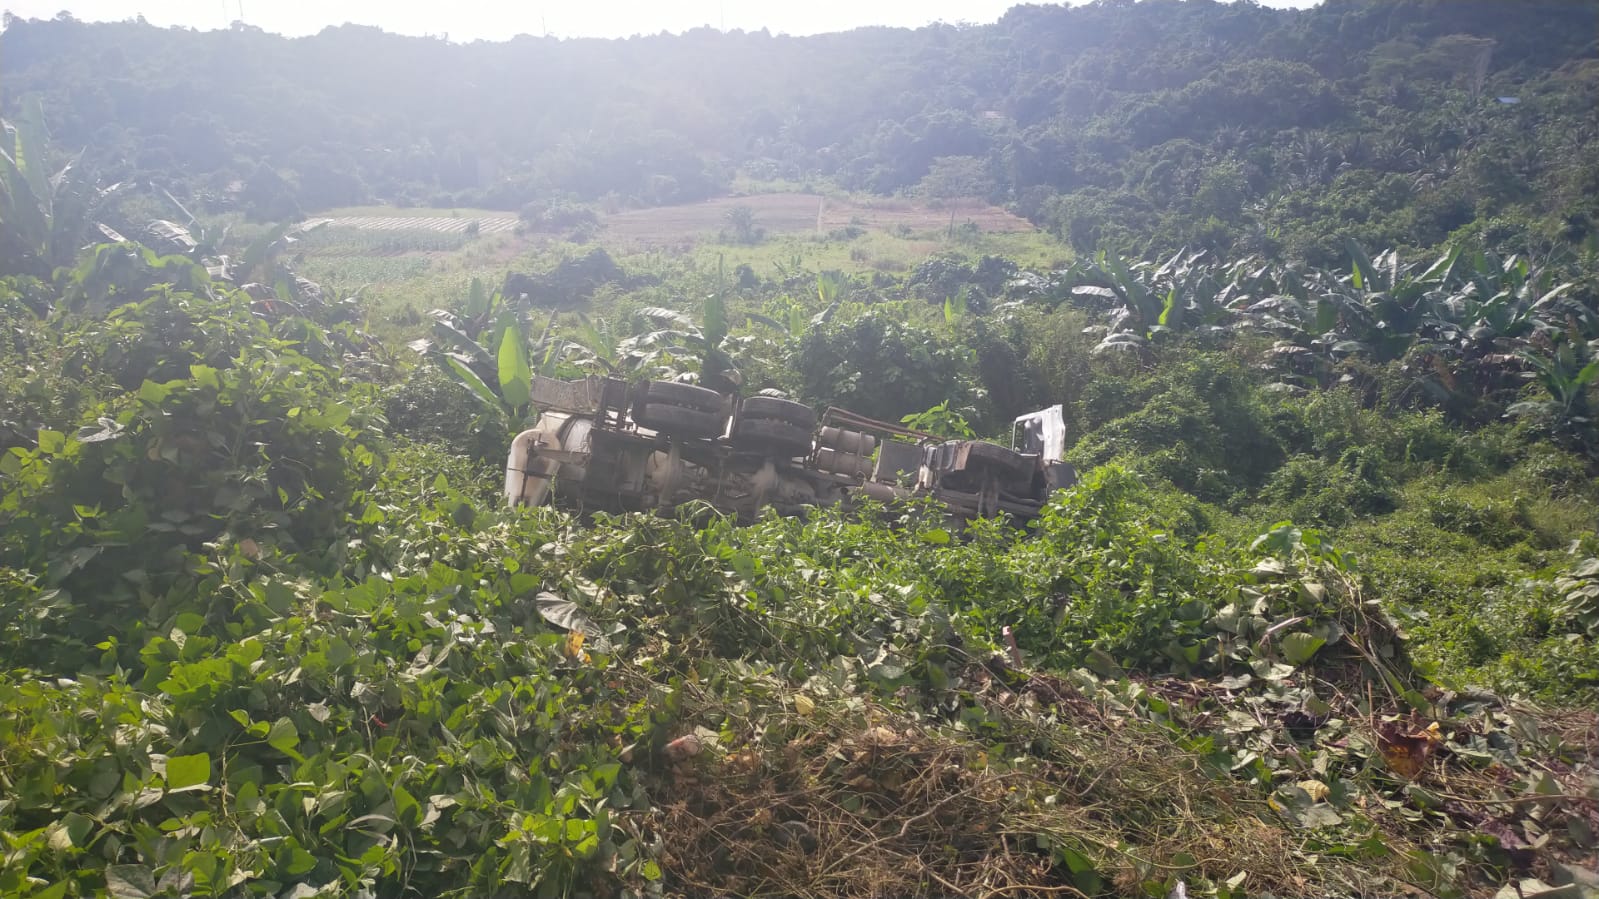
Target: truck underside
603,445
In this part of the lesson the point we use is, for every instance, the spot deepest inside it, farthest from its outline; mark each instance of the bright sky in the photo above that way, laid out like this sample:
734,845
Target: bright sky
500,19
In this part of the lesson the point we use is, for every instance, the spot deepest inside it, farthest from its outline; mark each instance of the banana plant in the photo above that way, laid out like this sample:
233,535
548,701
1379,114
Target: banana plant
678,348
594,346
1565,368
191,237
1182,293
1491,300
1382,305
790,318
710,351
494,362
46,217
260,270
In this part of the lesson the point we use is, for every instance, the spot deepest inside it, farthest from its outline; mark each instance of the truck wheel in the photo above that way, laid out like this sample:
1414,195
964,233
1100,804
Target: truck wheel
769,435
686,396
678,421
771,408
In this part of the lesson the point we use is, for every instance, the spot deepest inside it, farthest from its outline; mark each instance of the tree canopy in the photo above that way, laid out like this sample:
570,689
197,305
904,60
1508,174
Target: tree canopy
1130,126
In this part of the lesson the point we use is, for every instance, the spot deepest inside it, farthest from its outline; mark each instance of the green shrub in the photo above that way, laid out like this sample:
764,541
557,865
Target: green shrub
1329,494
263,450
428,407
1497,524
1199,424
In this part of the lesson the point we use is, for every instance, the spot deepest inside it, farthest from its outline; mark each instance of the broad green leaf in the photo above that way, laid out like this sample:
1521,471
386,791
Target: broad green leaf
206,376
451,336
52,442
335,415
477,301
28,151
936,536
1440,269
154,394
1171,314
1362,268
285,738
768,321
474,384
242,654
552,350
187,771
1588,373
1553,294
296,862
1326,315
70,831
23,210
129,882
715,328
671,317
406,809
1082,870
1299,648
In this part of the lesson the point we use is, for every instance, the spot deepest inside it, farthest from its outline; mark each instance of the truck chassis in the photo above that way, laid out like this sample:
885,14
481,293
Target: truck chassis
602,444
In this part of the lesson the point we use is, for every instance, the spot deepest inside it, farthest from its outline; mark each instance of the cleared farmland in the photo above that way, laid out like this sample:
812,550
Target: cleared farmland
439,224
776,213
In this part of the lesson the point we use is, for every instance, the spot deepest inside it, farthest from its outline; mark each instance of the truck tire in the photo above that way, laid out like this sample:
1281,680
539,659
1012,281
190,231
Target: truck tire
780,438
685,396
678,421
771,408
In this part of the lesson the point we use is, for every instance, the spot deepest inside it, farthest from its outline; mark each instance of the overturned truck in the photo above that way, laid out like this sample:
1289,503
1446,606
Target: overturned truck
603,444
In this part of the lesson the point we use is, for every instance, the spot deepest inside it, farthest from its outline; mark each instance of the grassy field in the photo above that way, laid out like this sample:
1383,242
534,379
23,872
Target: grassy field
785,214
877,251
403,271
418,212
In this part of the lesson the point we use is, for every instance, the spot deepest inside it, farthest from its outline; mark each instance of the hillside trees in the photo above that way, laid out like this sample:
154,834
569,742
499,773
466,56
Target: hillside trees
1101,122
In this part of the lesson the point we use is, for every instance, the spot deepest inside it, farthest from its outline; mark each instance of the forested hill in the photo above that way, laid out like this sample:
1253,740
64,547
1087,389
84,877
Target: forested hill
1133,126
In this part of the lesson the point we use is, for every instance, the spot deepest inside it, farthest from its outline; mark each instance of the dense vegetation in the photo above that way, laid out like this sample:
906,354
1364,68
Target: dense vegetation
1116,125
1319,620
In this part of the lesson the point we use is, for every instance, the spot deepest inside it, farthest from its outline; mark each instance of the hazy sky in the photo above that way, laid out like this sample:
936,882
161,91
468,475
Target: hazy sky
499,19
